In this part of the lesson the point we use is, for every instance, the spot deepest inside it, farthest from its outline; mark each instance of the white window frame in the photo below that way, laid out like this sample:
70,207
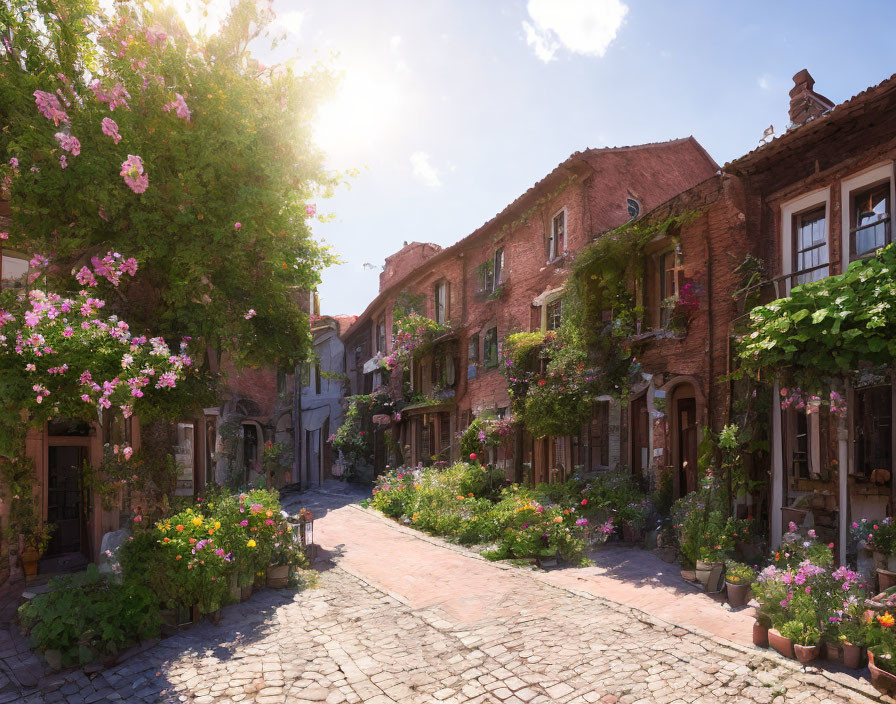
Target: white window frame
441,290
544,308
858,182
552,252
793,207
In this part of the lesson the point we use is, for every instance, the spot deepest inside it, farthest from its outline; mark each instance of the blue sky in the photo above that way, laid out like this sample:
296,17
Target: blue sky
452,108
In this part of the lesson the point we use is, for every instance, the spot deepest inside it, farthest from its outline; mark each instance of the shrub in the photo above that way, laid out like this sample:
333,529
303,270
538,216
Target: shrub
459,502
88,615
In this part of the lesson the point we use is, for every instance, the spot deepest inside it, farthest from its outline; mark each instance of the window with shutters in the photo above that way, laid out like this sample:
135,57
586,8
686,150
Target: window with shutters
440,300
557,237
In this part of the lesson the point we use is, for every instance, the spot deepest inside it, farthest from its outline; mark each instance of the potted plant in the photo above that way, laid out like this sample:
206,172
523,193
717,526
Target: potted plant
36,536
760,630
711,568
881,651
881,540
738,579
780,642
852,641
805,640
282,559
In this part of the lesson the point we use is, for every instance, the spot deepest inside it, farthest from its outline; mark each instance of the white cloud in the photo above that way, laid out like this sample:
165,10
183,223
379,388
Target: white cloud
581,26
291,21
424,170
395,42
764,82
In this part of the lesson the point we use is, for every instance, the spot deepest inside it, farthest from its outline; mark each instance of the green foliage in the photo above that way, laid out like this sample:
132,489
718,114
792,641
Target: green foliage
352,440
412,335
460,502
483,433
222,226
826,329
87,616
800,633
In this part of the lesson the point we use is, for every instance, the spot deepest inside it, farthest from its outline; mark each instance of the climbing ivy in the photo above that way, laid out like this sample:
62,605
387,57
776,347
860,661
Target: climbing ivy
826,329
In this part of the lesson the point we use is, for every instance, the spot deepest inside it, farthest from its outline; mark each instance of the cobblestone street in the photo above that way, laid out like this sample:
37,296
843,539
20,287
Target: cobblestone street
350,641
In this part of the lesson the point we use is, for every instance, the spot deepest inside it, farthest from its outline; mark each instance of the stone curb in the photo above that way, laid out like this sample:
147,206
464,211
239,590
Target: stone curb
833,682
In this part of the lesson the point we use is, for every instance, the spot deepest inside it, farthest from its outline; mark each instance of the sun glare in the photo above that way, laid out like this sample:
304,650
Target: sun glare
366,111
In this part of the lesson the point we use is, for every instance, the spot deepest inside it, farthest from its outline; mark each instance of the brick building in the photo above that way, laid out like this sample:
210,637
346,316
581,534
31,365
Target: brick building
827,188
505,277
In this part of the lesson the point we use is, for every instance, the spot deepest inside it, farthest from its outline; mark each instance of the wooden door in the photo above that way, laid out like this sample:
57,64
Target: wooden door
686,409
66,504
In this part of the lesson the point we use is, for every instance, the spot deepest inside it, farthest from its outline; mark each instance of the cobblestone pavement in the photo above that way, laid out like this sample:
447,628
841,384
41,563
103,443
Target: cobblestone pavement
348,641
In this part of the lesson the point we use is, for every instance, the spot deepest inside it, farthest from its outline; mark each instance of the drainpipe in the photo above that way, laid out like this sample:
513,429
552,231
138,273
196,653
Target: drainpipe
296,423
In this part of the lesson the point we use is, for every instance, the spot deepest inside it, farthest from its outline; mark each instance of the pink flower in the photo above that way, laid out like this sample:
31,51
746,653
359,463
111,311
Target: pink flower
237,225
179,106
4,235
69,143
48,105
310,210
250,314
155,35
133,175
110,128
63,162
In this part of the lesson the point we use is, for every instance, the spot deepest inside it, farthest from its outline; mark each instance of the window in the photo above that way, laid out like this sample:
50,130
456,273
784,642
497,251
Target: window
669,269
491,273
634,208
498,267
870,228
473,348
317,378
553,314
490,348
810,246
440,299
13,270
381,336
444,436
872,425
557,240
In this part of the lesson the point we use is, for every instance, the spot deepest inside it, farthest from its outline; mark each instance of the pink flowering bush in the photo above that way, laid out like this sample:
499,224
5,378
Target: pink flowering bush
140,138
60,356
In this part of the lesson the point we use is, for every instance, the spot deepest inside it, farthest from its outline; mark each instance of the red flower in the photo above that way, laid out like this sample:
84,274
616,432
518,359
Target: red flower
472,455
584,502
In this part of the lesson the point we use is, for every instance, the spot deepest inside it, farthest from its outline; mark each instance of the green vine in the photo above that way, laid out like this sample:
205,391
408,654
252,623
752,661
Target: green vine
826,329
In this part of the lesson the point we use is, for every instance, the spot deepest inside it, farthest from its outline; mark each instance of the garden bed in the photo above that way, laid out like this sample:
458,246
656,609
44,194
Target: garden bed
168,575
470,504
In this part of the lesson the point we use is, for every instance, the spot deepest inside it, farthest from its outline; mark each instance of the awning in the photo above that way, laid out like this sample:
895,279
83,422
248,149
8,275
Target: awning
313,418
428,407
372,364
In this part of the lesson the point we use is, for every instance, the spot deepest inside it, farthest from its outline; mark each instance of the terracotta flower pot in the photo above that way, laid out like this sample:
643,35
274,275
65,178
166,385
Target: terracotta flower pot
30,558
689,575
881,679
833,652
780,643
806,653
885,579
738,594
278,576
710,575
760,635
852,656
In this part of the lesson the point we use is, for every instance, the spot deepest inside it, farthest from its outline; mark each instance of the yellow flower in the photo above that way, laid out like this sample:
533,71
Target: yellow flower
886,620
558,520
217,525
250,544
197,521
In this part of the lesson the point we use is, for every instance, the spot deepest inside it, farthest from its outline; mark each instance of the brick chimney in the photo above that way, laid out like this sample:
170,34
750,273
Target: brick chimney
805,103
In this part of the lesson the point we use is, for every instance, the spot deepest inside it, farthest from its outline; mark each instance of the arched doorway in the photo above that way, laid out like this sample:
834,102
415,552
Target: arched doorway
685,409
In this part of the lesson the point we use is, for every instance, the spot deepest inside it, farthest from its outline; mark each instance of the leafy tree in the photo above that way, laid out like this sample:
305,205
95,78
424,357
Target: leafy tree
123,133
